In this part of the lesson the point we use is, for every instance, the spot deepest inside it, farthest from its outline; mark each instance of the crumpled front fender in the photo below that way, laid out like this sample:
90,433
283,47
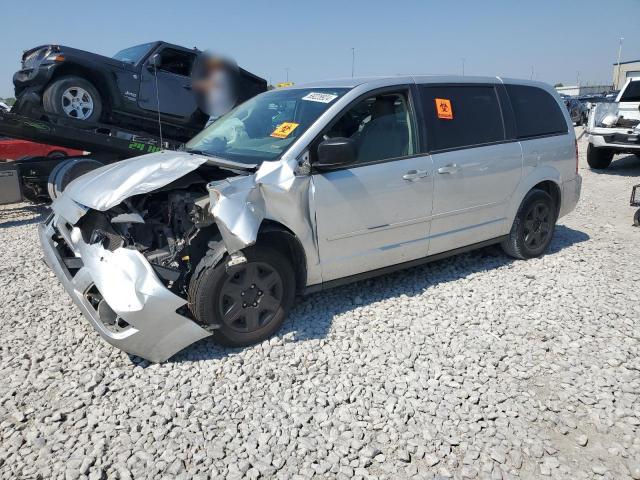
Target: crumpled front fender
240,204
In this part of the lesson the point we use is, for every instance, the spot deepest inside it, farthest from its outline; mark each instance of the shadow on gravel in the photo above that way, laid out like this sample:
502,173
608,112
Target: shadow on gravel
627,166
308,321
8,215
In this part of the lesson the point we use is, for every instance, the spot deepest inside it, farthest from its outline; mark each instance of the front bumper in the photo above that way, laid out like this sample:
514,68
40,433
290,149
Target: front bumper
119,293
35,78
618,139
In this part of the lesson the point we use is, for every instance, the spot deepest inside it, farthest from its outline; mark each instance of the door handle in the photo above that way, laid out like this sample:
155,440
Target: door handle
412,175
453,168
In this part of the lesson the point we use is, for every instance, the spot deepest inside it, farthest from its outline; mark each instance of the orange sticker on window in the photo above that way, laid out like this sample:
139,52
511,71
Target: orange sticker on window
284,129
443,107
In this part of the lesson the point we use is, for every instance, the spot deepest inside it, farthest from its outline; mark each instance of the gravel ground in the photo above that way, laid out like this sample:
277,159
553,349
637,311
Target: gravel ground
472,367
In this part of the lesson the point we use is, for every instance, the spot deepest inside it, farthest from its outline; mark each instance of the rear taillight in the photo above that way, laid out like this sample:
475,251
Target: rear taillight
577,157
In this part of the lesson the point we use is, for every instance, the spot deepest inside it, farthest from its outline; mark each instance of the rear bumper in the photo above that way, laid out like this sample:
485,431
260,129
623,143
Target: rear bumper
570,195
119,294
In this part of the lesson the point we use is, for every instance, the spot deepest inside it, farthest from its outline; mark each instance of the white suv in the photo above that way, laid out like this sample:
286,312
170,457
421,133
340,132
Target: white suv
306,188
615,127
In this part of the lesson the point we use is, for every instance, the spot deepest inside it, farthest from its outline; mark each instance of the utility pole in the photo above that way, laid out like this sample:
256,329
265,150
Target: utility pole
353,61
287,70
463,66
617,85
578,79
531,72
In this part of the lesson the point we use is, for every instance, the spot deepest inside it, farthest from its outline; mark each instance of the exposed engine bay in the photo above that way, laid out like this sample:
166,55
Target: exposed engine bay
170,226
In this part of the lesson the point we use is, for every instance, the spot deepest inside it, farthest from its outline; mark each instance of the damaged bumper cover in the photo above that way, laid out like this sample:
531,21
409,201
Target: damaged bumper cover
119,294
117,289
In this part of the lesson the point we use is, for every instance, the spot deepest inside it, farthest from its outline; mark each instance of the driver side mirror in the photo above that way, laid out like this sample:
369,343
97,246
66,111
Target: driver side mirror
336,152
154,62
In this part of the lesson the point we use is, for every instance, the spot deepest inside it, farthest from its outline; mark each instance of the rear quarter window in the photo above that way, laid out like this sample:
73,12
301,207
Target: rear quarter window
536,112
474,117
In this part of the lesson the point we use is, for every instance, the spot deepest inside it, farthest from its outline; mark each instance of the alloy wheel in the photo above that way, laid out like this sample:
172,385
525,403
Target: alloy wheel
77,103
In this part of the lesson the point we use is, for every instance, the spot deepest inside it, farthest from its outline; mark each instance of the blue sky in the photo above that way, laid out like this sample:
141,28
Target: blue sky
314,40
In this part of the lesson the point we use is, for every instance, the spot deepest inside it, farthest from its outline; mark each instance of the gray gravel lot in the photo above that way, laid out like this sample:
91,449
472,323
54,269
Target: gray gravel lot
472,367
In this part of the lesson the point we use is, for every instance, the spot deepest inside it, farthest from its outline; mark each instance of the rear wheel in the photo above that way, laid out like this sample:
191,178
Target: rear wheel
636,218
249,301
73,97
599,158
533,226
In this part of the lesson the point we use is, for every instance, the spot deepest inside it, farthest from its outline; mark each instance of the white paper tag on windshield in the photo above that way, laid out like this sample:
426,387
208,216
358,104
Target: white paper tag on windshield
320,97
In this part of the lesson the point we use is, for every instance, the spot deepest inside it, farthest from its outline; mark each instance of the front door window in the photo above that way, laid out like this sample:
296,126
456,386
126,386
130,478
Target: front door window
381,127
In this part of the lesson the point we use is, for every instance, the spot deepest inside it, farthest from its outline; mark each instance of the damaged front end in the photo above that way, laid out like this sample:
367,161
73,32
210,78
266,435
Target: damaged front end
126,252
610,127
126,258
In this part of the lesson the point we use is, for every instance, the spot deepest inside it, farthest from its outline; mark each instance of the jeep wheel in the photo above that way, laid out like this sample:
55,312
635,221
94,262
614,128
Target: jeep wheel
533,226
249,301
599,158
73,97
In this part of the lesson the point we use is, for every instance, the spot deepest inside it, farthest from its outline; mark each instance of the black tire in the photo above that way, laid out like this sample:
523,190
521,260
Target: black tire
249,319
52,179
636,218
57,154
58,99
599,158
532,229
67,171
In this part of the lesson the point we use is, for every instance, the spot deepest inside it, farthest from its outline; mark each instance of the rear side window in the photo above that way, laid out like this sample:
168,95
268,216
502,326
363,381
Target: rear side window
461,116
631,93
537,112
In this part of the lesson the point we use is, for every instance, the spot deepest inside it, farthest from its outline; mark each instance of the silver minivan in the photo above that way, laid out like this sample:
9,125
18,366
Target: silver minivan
305,188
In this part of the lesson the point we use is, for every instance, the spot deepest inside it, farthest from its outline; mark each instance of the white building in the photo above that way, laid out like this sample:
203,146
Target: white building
577,90
630,69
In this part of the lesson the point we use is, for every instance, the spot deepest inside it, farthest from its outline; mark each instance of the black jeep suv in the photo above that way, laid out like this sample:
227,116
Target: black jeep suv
122,90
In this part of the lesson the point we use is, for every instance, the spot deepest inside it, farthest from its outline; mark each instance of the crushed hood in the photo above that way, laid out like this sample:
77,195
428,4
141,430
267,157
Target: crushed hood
108,186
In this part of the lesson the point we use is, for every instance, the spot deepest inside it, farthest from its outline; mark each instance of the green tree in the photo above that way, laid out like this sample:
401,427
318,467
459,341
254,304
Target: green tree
557,85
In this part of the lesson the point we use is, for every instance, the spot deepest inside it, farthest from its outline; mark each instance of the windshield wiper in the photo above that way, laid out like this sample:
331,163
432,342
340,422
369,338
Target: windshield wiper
223,162
199,152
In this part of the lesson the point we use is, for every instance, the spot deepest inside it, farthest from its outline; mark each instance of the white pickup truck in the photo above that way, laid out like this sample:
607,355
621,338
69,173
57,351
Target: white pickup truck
615,127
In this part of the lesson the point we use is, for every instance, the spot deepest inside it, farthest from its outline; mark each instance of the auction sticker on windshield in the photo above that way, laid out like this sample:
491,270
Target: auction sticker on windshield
320,97
284,129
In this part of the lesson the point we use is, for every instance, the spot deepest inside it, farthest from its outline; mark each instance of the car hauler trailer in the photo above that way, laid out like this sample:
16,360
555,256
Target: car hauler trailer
40,179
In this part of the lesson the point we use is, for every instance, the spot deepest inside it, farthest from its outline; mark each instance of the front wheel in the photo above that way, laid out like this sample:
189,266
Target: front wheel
249,301
73,97
533,226
599,158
